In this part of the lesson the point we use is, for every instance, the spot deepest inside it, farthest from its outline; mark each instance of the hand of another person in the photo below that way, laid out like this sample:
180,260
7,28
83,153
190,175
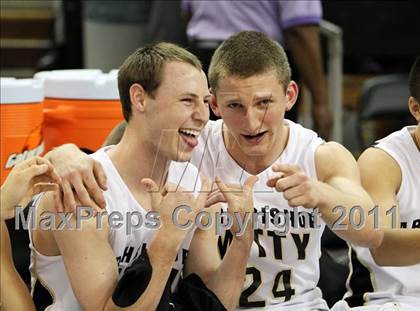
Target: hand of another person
81,176
30,177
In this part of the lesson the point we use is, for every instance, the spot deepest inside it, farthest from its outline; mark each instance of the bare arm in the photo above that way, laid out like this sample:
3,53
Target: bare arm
339,185
92,268
304,45
14,293
398,241
81,173
336,190
225,278
381,177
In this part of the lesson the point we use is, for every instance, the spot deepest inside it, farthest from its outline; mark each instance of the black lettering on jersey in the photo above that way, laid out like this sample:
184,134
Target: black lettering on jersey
289,215
256,282
301,244
303,220
224,242
128,252
403,224
416,224
127,256
139,251
287,292
184,255
261,250
273,212
277,245
262,214
306,220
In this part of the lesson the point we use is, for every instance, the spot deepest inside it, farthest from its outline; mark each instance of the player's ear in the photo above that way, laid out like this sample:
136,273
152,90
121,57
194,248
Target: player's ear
414,107
292,92
137,97
213,104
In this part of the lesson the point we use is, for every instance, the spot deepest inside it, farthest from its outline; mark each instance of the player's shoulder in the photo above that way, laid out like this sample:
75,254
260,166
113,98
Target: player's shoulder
333,159
380,164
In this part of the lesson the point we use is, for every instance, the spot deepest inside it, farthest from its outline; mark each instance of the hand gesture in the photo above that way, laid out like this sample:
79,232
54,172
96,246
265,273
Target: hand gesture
297,187
30,177
240,202
171,198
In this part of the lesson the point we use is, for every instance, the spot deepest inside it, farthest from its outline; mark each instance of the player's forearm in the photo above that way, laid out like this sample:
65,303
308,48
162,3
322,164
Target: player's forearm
338,206
227,281
5,203
303,43
14,294
404,243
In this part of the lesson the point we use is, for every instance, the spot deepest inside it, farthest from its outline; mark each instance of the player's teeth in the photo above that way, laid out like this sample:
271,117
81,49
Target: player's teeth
190,132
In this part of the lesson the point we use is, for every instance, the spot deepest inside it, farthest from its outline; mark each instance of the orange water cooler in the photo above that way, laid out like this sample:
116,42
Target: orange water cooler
21,106
80,107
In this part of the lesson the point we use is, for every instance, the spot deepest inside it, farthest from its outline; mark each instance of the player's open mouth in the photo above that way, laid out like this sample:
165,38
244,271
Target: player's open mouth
189,136
254,139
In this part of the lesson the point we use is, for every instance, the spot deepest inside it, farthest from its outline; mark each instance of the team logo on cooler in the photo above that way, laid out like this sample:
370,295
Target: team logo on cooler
16,158
33,146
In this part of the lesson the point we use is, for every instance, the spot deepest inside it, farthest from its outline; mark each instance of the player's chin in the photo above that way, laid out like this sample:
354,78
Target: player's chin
184,156
255,150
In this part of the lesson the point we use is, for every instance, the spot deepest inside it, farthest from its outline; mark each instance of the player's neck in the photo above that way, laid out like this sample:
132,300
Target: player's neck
134,161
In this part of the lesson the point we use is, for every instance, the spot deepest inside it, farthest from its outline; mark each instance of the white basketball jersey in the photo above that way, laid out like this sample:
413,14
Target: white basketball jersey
283,268
369,283
126,244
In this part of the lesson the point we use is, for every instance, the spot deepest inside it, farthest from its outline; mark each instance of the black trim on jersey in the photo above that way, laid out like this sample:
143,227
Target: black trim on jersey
133,282
192,294
359,283
42,296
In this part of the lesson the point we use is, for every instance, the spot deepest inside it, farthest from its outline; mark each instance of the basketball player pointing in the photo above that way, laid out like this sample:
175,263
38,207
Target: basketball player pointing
252,89
165,103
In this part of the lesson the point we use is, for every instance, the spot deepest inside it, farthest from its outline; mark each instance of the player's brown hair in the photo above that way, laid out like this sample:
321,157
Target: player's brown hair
145,67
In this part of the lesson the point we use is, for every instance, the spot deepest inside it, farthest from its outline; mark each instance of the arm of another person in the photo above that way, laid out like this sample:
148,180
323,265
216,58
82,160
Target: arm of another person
304,44
14,293
92,268
81,173
381,177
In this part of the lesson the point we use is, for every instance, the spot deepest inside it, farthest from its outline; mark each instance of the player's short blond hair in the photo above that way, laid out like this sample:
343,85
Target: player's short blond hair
248,53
